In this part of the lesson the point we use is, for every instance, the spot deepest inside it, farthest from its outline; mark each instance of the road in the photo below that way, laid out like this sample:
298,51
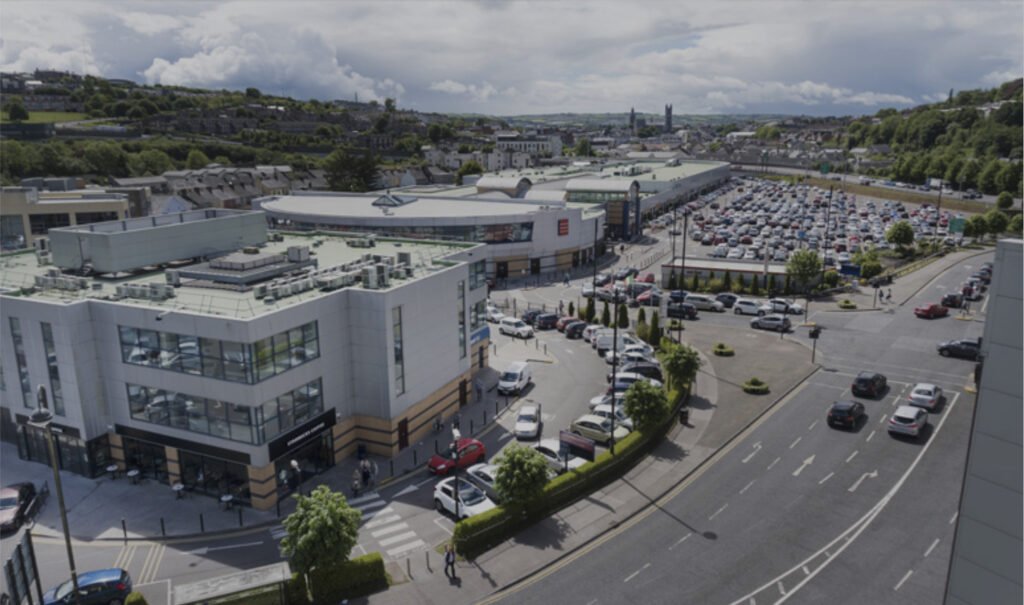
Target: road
796,511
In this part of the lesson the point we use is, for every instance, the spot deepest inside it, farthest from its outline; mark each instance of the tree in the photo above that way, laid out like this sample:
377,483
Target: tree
997,222
681,365
654,331
673,281
606,316
623,319
253,93
591,312
1005,200
727,282
583,148
803,266
901,234
1015,224
976,227
105,159
988,175
522,474
16,110
755,287
470,167
641,315
350,171
389,105
695,282
741,283
322,530
868,269
196,159
645,404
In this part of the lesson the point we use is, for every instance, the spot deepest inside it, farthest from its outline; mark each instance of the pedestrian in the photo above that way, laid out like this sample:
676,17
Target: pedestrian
967,307
373,472
888,297
561,307
364,469
566,278
449,561
479,389
357,481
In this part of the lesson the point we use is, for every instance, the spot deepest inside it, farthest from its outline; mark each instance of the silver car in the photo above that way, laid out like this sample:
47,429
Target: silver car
779,323
908,420
925,395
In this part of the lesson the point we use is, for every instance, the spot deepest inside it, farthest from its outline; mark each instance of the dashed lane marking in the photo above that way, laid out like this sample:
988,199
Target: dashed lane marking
680,540
903,579
827,477
792,445
813,424
774,462
871,435
746,487
717,512
636,573
852,456
932,547
953,518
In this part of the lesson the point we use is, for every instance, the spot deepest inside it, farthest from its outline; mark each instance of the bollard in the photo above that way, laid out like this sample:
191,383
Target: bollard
495,407
391,463
485,419
202,526
470,426
124,528
278,504
426,559
163,530
240,516
506,402
436,451
536,343
414,463
545,348
408,567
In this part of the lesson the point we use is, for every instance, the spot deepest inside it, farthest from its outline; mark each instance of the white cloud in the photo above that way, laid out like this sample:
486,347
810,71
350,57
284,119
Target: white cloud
480,93
149,23
995,78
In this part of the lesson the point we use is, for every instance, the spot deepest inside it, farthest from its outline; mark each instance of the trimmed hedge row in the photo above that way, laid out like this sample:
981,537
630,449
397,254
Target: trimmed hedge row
723,350
479,533
136,598
846,303
349,579
755,386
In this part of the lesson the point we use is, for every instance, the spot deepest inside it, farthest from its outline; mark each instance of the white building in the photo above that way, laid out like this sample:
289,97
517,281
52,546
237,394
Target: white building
200,349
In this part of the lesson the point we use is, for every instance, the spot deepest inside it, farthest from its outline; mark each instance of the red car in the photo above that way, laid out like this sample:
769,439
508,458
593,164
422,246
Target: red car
471,452
931,311
647,278
564,321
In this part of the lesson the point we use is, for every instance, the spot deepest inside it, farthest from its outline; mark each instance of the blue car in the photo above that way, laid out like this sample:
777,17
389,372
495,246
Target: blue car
100,587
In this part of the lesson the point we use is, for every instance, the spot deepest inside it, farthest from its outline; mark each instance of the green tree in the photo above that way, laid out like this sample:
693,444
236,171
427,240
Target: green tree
15,109
681,365
583,148
623,320
1009,176
470,167
654,331
641,315
1015,224
591,312
196,159
976,227
253,93
803,267
322,530
988,175
727,282
1005,200
522,474
755,286
741,283
869,269
901,234
389,105
350,171
645,404
968,177
606,316
997,222
105,159
695,282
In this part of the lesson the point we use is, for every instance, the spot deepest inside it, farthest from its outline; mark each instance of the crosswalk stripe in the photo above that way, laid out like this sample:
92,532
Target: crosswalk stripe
389,530
383,521
371,515
399,538
367,498
363,507
278,532
406,548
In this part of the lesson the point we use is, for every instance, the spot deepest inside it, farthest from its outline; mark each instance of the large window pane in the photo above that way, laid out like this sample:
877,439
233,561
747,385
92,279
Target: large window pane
263,351
282,354
286,411
213,366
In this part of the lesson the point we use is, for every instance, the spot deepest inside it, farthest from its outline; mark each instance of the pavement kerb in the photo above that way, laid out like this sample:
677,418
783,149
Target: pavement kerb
937,275
652,501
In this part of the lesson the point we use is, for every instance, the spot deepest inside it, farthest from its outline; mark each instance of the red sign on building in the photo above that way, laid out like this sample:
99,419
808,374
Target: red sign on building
563,226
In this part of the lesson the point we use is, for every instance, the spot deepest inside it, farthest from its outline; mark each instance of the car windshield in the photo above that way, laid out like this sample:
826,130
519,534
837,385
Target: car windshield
923,392
470,495
509,377
527,418
606,425
63,590
10,502
903,419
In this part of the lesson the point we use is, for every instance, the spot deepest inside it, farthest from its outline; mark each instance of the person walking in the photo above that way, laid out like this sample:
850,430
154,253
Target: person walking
364,469
449,561
566,281
888,296
479,386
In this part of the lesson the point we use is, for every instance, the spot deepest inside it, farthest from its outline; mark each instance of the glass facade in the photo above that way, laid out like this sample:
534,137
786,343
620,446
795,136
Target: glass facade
12,232
478,316
213,476
40,224
221,359
396,326
506,233
477,274
222,419
84,218
596,197
19,358
462,318
56,396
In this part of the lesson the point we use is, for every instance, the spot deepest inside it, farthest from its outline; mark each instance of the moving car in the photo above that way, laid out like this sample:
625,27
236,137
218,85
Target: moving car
515,378
681,310
745,306
94,587
472,500
516,328
964,349
470,451
931,311
550,448
528,422
845,414
484,475
908,420
869,384
925,395
14,505
597,428
779,323
705,303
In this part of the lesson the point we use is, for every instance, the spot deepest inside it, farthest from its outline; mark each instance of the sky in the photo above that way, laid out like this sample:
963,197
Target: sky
514,58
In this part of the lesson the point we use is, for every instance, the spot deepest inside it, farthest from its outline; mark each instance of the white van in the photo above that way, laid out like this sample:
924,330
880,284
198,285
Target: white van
515,327
514,379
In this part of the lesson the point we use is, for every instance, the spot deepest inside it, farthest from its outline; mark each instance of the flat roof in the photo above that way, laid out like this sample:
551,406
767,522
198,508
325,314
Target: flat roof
19,270
361,206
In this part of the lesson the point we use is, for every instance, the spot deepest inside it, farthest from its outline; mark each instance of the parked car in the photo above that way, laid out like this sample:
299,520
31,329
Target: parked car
530,315
102,586
470,450
647,278
953,301
681,310
931,311
623,380
705,303
964,349
677,296
869,384
779,323
14,505
845,414
472,500
575,329
644,368
605,411
745,306
517,328
564,321
727,299
908,420
611,358
484,475
545,321
606,399
925,395
528,422
494,315
550,448
778,305
597,428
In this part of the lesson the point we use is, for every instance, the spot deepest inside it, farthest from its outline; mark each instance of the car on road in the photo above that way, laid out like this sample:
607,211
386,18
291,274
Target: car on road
705,303
494,315
908,420
575,329
925,395
650,369
869,384
517,328
515,378
530,315
102,586
470,451
550,448
845,414
15,501
528,422
484,476
779,323
745,306
681,310
953,300
605,411
565,321
546,321
778,305
472,500
597,428
931,311
727,298
964,349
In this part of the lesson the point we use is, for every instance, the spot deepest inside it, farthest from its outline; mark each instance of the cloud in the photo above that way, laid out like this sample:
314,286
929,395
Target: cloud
995,78
149,23
480,93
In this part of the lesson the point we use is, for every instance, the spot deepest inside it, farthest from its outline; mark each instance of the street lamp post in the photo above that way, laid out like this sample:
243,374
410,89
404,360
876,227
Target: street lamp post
43,418
456,436
615,367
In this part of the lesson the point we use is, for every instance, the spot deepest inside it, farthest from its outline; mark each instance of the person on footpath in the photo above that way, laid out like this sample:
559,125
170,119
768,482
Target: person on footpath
449,561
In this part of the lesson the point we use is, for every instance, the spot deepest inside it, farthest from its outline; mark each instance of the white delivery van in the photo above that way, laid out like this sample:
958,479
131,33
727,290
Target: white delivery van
514,379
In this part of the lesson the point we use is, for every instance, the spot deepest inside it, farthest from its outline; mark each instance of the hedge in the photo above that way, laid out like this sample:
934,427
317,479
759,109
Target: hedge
479,533
723,350
136,598
346,580
755,386
847,304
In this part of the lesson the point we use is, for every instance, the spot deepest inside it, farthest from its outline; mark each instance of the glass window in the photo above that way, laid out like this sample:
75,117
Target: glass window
39,224
12,232
396,327
462,318
56,395
282,353
286,411
263,352
19,357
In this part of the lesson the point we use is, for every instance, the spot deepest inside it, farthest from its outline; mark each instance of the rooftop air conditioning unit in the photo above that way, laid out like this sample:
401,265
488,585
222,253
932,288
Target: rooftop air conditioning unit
173,277
405,258
43,258
42,244
260,291
370,278
382,275
282,291
40,281
297,254
83,283
121,292
55,272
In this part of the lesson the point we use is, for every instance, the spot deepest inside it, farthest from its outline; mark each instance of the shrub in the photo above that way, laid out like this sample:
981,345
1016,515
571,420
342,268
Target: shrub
349,579
723,350
136,598
846,303
870,268
832,279
714,285
755,386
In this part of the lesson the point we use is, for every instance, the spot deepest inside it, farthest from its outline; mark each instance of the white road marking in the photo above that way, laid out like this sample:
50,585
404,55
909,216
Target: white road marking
881,420
856,484
774,462
377,522
782,591
406,548
389,530
852,456
278,532
397,539
680,540
746,487
804,465
715,514
757,448
903,579
806,571
813,424
570,351
636,573
367,505
387,510
827,477
442,525
792,445
953,518
932,547
367,498
871,435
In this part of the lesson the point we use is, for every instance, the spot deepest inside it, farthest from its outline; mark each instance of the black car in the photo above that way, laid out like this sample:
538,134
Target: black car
727,299
677,295
845,414
953,301
94,587
15,501
681,311
964,349
869,384
530,316
575,329
625,272
644,368
546,321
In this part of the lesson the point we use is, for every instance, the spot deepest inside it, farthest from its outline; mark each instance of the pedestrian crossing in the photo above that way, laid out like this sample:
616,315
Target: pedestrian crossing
381,525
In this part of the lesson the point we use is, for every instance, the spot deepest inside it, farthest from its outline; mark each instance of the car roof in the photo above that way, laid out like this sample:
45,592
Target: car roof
591,418
483,466
907,411
925,385
866,374
843,405
8,492
529,408
100,575
551,444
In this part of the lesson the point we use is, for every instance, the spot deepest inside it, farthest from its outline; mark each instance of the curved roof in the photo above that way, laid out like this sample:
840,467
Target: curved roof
606,185
502,182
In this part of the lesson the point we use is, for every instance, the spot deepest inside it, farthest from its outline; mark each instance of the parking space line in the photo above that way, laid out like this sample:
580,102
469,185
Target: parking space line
747,486
716,513
871,435
852,456
774,462
932,547
448,531
827,477
782,590
903,579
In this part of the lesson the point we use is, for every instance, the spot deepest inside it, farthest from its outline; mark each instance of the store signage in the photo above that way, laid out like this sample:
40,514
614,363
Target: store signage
577,445
563,227
300,435
479,335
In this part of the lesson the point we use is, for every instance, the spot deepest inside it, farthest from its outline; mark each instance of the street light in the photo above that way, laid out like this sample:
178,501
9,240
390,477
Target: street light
42,418
456,436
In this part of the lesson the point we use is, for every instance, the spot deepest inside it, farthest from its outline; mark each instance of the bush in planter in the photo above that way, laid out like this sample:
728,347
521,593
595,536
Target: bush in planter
846,303
723,350
136,598
755,386
831,279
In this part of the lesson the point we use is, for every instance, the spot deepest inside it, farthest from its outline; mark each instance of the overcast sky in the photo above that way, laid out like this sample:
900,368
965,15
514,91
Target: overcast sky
502,58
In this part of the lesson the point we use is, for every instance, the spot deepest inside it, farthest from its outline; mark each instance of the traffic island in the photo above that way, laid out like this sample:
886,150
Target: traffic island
847,305
755,386
723,350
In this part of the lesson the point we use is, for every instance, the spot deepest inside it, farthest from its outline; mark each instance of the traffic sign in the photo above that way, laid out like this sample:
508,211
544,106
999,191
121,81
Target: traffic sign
825,167
849,269
956,225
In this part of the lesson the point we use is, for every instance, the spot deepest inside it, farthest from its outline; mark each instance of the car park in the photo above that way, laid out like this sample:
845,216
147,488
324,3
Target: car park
550,449
869,384
470,452
845,414
102,586
908,420
746,306
517,328
485,476
598,429
931,311
925,395
964,349
776,322
528,422
15,501
471,499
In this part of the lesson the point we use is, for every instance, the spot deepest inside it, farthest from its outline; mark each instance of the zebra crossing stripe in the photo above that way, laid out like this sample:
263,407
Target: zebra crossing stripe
390,530
363,507
406,548
370,515
383,521
399,538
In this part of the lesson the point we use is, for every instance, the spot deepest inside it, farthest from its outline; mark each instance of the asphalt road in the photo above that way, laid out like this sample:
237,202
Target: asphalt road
797,511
